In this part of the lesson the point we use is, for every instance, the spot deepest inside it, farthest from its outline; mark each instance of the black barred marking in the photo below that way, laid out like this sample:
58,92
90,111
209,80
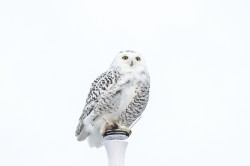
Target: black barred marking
130,51
102,99
136,107
98,87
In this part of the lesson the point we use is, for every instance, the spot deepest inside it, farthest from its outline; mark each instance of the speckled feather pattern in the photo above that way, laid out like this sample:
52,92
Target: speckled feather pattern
119,95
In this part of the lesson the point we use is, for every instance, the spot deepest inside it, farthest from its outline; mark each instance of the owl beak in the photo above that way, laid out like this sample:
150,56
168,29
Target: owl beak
131,64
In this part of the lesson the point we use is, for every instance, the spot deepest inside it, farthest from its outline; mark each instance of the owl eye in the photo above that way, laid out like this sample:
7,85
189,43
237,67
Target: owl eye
138,58
125,57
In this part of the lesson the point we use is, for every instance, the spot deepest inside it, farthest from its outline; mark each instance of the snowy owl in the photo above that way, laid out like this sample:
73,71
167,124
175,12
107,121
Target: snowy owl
116,98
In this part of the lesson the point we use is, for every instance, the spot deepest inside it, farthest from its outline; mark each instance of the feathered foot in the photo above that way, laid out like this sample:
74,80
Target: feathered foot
113,126
108,126
124,128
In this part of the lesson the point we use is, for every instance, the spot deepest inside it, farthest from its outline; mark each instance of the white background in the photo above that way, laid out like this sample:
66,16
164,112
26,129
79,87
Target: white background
198,56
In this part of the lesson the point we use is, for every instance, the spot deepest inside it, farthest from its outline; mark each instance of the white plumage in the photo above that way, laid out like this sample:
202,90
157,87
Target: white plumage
116,98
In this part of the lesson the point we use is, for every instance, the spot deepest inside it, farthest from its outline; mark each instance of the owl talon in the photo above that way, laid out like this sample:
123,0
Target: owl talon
112,127
108,126
125,129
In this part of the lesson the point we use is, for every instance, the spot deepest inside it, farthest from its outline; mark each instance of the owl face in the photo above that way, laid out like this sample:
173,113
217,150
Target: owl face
128,59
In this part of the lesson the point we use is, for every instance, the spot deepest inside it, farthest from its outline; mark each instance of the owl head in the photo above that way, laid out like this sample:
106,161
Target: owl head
129,60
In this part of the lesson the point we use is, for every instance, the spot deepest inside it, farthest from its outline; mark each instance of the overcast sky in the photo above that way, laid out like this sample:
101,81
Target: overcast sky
198,56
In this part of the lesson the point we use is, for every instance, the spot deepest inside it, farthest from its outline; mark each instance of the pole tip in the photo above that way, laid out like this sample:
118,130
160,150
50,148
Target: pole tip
115,135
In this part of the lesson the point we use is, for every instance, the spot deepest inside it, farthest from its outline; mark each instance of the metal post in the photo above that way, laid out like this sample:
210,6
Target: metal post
116,144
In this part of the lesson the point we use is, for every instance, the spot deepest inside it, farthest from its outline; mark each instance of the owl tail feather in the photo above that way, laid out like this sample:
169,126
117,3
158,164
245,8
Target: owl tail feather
81,134
95,139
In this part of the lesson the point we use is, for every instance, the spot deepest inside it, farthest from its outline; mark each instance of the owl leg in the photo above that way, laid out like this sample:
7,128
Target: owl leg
123,125
107,126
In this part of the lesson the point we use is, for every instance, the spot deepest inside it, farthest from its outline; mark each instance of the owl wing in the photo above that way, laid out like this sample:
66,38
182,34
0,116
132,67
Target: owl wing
98,91
137,105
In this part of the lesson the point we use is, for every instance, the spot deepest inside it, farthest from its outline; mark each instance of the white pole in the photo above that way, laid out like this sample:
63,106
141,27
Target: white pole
115,144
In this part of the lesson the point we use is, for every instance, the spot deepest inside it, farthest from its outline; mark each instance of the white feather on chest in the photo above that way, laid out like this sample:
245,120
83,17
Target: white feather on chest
126,95
118,96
